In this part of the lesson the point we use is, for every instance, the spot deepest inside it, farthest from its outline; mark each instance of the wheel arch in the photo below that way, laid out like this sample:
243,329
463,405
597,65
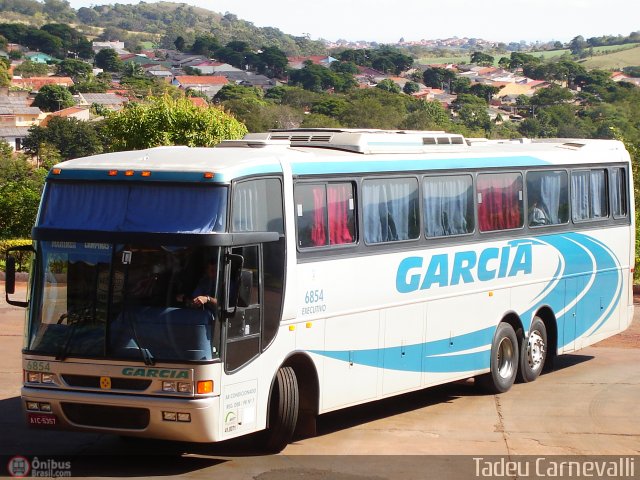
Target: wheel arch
513,319
545,313
308,391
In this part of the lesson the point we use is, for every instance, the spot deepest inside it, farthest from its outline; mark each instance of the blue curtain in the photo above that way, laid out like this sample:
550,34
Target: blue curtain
134,208
388,210
446,206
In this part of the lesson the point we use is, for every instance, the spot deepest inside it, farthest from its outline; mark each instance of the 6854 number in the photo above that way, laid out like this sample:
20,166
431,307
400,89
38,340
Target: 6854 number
314,296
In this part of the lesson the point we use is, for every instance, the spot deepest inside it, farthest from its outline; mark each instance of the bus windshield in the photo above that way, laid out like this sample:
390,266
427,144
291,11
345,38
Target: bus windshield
126,302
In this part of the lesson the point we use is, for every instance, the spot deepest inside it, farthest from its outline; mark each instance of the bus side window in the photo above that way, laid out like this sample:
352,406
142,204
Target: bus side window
499,201
618,192
390,208
448,205
547,198
325,214
589,199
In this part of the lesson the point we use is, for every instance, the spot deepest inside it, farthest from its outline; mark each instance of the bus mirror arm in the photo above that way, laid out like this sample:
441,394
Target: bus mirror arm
236,262
10,275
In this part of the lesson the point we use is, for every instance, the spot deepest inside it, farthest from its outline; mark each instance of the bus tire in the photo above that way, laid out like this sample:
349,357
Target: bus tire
504,361
533,352
283,410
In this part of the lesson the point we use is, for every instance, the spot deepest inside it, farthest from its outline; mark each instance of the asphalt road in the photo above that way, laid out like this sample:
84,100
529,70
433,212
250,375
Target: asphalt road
587,406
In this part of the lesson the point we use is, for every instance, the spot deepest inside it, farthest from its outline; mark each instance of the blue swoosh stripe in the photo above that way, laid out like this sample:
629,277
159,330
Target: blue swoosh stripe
584,258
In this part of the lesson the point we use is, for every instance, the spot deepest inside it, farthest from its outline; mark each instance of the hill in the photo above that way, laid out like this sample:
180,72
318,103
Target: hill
616,60
161,22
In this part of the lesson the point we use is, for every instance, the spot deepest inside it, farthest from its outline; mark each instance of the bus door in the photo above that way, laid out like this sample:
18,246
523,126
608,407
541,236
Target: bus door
243,322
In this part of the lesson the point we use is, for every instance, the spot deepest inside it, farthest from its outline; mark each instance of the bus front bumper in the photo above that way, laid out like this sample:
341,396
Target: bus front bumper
195,420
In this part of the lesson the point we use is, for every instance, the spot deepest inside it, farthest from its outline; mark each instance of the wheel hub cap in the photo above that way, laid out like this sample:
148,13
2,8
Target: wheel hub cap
535,350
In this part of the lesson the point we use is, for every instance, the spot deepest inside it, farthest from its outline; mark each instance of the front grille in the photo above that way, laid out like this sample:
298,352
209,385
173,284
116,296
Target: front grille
106,416
91,381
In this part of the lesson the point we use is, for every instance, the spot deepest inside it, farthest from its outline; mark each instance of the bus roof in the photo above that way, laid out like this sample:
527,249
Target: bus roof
333,151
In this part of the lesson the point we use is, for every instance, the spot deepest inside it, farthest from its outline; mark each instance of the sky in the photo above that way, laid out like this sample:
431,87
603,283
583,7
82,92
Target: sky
386,21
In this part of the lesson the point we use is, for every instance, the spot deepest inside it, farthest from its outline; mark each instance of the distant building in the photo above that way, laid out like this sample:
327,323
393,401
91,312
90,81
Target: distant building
36,83
20,116
207,84
297,63
116,45
14,136
39,57
109,100
79,113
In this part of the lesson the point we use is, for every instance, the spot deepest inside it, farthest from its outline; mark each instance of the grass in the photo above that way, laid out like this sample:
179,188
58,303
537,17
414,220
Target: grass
608,57
615,61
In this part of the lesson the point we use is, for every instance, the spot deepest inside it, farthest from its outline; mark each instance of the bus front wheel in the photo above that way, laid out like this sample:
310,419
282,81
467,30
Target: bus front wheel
283,410
533,352
504,361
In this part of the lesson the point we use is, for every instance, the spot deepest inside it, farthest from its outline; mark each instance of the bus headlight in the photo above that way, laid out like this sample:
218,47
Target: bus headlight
47,378
33,377
184,387
169,387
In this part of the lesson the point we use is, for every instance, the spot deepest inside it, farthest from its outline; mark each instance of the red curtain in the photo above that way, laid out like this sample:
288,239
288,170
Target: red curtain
319,229
338,209
501,205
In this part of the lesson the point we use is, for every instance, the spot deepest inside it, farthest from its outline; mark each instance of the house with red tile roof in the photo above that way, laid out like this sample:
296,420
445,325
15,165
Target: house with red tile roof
36,83
198,101
79,113
207,84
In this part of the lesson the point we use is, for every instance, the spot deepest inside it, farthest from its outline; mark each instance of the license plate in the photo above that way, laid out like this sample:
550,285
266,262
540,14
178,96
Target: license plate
42,419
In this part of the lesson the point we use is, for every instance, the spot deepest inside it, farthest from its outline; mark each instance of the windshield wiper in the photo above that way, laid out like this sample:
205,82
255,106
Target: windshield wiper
146,354
72,327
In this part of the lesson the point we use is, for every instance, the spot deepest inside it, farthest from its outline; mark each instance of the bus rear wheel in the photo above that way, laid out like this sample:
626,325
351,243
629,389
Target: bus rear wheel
533,352
283,410
504,361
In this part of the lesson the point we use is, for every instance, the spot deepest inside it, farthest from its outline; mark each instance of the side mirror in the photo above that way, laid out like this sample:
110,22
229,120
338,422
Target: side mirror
10,275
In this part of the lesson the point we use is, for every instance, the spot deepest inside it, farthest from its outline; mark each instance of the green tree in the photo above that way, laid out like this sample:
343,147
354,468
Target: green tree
76,69
318,78
330,107
71,137
168,121
344,67
317,120
91,84
481,58
108,60
179,43
552,95
460,85
20,189
271,61
577,45
484,91
28,69
237,92
5,79
52,98
428,116
411,87
389,85
375,108
436,77
132,69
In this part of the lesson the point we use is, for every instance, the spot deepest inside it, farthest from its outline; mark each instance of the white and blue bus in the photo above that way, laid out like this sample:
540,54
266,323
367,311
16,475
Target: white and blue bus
202,294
